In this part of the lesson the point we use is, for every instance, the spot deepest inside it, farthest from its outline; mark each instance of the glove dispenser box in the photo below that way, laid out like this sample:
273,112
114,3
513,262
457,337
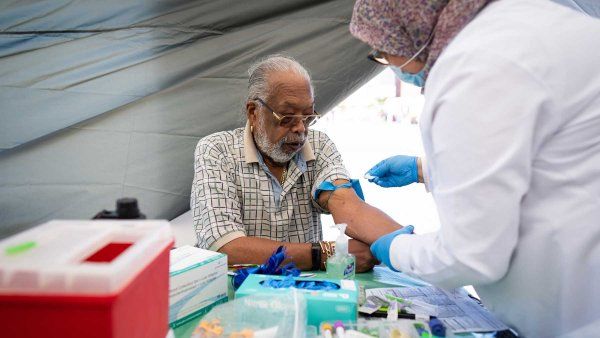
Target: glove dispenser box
86,279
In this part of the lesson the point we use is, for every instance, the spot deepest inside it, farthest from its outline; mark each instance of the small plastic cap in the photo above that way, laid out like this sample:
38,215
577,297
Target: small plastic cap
127,208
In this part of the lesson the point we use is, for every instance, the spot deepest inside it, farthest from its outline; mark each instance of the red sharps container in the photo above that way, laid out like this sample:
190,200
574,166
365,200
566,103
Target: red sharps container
107,278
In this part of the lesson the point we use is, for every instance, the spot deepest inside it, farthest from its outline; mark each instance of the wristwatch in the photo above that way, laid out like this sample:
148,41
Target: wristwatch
315,251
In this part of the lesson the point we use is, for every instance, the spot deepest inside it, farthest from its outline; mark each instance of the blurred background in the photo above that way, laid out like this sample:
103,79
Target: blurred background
379,120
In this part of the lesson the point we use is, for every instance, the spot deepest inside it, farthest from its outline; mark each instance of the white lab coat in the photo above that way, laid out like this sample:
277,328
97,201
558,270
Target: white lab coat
511,129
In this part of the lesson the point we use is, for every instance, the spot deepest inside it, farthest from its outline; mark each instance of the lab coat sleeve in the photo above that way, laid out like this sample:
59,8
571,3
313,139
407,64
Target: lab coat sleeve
425,170
482,114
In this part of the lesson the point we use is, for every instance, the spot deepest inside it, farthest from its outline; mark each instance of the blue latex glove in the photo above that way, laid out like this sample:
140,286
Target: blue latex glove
381,247
396,171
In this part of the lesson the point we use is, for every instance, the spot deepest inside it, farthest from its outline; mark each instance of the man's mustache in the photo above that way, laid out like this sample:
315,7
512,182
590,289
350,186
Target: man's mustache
294,138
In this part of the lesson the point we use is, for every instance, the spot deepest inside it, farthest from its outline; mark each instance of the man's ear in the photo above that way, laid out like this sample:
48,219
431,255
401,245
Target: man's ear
252,112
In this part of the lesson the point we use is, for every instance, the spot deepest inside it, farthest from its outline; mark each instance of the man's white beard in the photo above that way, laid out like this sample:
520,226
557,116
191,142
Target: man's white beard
275,150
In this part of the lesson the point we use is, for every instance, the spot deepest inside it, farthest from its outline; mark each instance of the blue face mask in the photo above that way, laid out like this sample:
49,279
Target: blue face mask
417,79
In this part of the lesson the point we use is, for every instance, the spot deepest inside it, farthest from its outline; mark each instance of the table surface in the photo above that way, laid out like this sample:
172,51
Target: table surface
364,279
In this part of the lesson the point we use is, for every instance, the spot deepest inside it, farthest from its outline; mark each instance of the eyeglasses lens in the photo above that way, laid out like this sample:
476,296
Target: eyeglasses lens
288,121
377,56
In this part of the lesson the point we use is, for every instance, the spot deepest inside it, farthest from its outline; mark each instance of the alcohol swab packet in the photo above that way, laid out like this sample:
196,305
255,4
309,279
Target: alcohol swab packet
369,176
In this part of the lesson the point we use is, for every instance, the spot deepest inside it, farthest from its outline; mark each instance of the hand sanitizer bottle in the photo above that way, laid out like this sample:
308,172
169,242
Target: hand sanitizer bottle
342,264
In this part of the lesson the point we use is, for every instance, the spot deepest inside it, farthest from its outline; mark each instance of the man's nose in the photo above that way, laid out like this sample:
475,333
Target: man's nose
299,127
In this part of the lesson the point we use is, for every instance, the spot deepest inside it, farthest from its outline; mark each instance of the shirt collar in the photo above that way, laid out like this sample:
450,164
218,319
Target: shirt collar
251,153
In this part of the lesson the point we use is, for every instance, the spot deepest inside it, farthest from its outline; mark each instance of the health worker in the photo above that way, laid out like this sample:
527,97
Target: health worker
511,132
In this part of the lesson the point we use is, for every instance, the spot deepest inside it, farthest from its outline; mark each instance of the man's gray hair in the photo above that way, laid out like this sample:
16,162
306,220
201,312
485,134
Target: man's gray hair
258,83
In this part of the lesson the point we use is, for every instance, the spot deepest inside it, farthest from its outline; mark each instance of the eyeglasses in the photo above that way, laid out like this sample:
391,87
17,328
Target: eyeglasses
378,57
289,121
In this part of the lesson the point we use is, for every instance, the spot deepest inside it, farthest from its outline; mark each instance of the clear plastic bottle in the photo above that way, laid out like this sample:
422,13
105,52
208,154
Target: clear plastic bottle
341,265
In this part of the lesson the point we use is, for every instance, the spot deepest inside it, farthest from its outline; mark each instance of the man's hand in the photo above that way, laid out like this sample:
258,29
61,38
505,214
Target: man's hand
364,259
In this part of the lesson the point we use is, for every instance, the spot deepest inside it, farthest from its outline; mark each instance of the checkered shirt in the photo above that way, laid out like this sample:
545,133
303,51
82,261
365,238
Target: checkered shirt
235,195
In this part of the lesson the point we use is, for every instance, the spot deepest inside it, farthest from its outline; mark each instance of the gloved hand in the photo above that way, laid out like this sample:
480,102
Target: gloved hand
381,247
396,171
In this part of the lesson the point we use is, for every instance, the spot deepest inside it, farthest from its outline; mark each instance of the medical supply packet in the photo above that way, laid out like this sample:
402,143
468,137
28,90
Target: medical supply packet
257,315
198,282
457,311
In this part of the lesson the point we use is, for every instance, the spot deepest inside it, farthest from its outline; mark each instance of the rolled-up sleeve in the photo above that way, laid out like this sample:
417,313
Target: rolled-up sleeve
328,167
214,201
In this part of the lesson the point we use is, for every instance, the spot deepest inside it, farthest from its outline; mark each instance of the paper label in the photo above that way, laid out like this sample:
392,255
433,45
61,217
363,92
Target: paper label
348,285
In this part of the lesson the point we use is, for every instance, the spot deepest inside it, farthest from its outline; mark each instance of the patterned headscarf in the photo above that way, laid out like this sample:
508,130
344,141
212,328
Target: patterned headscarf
401,27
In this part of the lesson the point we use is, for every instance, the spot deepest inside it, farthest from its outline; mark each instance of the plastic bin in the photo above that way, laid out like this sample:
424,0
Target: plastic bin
86,279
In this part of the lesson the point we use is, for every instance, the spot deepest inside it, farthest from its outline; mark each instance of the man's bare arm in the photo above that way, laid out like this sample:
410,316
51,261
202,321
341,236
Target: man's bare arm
365,222
254,250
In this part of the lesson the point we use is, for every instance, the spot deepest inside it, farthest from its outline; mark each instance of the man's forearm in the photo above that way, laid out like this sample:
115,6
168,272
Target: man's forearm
254,250
365,222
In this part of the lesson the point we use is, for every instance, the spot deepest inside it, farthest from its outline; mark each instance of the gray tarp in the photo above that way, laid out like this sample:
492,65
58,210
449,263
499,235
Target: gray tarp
103,99
589,7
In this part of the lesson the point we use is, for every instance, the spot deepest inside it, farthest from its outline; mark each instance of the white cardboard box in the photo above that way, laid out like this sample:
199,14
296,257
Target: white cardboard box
198,281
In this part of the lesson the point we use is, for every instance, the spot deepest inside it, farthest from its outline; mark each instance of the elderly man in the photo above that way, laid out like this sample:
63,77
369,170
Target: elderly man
265,185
